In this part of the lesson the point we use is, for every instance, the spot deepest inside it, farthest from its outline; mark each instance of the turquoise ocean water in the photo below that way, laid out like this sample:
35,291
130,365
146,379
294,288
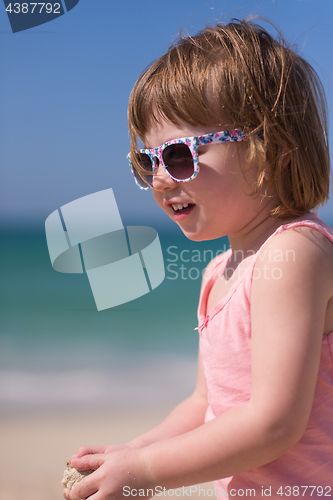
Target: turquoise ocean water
58,351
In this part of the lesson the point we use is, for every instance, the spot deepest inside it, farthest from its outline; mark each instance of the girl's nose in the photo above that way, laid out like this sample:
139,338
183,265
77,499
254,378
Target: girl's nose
162,180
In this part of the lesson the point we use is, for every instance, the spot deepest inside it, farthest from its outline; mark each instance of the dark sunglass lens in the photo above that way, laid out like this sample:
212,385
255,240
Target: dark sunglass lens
145,178
178,161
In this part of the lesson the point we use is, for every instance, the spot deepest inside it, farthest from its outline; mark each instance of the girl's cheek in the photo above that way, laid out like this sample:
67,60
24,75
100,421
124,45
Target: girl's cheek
158,197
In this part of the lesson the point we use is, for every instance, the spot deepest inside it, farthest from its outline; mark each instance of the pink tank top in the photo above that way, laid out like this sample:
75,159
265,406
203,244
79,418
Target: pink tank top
225,346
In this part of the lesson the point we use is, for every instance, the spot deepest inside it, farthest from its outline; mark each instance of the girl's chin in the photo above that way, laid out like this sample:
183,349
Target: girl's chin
196,235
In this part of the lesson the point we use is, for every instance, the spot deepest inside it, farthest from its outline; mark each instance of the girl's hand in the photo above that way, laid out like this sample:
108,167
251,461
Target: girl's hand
115,473
91,450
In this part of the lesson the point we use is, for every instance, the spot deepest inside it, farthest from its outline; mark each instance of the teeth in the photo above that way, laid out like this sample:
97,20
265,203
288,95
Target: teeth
179,206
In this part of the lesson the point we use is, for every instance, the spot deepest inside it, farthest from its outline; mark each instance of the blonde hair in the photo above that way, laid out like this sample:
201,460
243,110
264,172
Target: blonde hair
239,72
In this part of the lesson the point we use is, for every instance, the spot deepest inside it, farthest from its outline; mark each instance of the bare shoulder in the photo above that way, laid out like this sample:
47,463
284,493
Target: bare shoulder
294,272
299,248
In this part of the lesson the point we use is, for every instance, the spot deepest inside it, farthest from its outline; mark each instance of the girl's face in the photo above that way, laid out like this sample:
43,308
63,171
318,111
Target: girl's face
218,198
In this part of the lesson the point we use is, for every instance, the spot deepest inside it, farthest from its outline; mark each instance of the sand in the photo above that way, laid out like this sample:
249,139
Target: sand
72,476
34,448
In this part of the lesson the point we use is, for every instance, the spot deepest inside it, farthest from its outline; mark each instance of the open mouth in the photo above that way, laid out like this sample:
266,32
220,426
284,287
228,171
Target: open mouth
181,207
181,210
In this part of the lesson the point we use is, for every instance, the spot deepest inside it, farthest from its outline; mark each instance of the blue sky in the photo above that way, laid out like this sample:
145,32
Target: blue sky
65,88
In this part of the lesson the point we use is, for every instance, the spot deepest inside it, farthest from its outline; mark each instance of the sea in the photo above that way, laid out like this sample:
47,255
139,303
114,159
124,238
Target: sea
58,352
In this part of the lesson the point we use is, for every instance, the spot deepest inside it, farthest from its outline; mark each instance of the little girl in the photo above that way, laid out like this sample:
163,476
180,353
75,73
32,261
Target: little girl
233,125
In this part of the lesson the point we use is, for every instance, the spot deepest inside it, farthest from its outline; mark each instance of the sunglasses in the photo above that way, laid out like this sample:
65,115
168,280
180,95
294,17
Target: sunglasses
178,157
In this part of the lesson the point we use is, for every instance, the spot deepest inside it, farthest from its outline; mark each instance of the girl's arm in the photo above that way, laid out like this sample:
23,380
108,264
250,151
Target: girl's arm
288,318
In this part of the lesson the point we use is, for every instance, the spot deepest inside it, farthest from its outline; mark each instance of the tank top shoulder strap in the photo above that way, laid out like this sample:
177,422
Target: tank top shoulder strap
310,220
215,268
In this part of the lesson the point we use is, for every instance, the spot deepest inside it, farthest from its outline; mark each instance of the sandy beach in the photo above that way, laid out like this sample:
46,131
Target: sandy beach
35,447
